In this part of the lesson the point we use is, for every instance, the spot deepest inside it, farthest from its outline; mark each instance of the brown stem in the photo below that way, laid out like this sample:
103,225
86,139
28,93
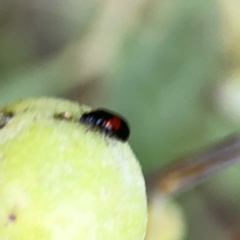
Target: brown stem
180,175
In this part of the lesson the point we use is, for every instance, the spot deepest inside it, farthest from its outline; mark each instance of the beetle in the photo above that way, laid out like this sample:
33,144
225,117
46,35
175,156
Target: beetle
108,122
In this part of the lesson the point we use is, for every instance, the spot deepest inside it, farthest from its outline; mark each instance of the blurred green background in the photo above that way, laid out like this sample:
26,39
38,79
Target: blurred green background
169,66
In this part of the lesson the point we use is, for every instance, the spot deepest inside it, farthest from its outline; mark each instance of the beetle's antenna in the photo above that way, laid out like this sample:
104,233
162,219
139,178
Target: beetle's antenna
180,175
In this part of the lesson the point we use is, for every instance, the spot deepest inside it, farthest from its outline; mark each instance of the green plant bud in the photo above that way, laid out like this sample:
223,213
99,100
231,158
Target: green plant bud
63,180
165,220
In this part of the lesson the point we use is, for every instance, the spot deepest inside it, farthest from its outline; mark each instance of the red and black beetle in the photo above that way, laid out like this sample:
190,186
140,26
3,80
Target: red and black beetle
110,123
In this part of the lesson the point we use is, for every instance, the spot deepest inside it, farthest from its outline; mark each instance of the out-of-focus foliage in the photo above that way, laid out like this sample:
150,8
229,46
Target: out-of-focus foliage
165,65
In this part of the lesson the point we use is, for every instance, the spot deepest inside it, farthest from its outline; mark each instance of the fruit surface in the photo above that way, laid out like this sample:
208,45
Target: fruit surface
60,180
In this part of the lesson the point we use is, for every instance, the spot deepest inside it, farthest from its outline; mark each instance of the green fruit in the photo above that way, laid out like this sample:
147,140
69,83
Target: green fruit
165,220
62,180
